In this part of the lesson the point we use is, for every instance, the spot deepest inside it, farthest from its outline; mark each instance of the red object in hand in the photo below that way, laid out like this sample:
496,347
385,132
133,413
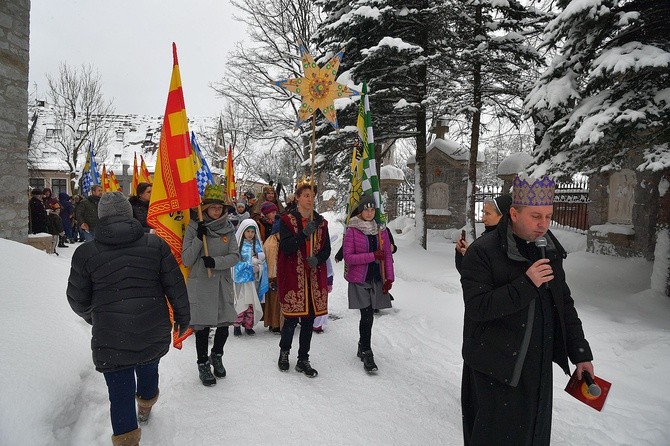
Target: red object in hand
379,254
179,336
387,286
580,390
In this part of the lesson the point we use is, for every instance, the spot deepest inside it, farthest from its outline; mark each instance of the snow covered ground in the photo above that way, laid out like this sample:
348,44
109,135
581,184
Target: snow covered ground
51,394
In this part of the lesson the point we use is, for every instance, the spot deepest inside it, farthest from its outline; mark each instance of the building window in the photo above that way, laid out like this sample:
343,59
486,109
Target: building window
117,158
58,185
36,182
119,135
148,137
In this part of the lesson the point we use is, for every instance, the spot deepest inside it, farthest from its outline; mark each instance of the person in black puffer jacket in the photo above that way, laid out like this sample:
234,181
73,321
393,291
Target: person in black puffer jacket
118,284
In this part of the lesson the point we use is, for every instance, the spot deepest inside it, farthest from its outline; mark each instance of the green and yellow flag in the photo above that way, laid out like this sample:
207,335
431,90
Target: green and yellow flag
364,179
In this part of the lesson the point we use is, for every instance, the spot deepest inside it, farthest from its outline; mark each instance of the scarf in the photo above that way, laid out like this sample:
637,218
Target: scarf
366,227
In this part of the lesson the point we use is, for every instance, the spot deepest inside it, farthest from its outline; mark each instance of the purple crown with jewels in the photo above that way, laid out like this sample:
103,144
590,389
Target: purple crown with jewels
530,191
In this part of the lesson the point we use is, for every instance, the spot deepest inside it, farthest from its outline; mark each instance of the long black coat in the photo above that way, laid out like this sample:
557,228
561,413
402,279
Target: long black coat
118,283
512,331
38,216
140,211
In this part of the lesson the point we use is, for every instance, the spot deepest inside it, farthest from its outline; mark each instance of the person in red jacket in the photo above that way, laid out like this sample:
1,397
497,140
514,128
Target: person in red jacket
302,283
369,270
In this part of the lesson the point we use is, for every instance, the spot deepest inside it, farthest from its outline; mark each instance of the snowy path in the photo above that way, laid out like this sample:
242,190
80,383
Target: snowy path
413,399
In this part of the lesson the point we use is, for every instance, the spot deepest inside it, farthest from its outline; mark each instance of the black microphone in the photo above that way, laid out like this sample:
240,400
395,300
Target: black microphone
594,389
541,243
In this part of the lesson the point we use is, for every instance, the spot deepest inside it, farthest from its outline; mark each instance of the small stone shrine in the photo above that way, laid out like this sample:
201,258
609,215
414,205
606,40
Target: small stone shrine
446,180
626,208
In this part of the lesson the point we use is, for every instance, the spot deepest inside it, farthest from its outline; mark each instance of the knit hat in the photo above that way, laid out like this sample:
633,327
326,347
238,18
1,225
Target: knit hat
214,193
37,191
268,207
241,202
367,201
531,191
114,203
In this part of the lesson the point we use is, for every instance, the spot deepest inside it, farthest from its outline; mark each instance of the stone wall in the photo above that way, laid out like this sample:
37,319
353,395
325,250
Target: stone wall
14,43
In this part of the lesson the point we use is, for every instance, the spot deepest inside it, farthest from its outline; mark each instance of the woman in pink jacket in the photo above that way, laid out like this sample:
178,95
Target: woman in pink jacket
369,271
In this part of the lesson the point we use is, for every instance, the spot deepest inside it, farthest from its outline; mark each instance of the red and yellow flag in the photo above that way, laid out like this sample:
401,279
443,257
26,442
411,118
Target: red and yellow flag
114,185
105,179
145,176
174,190
230,176
136,176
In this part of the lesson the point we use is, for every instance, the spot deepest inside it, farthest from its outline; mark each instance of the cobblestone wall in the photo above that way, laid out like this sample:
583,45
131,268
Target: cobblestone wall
14,42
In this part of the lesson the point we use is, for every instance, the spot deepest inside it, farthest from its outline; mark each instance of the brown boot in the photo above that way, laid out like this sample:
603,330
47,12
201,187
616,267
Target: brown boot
144,408
131,438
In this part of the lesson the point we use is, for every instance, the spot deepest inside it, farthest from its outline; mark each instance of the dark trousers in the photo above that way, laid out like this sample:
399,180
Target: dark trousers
123,388
202,342
365,328
305,339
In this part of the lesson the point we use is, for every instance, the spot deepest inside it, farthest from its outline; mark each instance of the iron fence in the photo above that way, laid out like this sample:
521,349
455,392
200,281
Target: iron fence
570,203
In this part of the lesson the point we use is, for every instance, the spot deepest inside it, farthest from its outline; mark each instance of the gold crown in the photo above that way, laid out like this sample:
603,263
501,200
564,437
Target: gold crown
305,182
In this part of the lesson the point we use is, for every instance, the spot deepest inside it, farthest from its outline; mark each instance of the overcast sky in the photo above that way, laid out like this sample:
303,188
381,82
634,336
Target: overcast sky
130,44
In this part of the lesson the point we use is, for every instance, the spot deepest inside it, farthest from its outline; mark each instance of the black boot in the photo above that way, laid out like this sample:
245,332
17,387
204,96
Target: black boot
217,364
368,361
303,366
237,331
283,360
206,376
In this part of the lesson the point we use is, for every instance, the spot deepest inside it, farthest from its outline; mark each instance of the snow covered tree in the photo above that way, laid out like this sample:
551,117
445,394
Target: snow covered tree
606,92
491,63
388,46
80,114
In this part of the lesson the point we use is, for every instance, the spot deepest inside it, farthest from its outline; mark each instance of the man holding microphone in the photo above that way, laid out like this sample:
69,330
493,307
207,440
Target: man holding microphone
519,318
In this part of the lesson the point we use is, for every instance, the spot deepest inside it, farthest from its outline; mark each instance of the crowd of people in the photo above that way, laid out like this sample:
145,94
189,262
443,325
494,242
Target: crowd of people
255,260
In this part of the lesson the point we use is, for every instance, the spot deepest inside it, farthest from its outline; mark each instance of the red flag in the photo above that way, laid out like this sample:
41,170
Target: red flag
230,175
136,176
579,389
105,179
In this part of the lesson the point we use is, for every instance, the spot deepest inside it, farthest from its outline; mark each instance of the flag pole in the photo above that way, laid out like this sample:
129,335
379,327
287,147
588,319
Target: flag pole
204,241
313,185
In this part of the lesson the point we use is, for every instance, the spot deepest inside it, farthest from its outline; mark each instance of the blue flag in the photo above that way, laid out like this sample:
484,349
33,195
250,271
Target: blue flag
90,175
203,176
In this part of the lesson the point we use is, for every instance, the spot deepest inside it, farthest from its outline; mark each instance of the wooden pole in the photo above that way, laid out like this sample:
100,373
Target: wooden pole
311,218
204,241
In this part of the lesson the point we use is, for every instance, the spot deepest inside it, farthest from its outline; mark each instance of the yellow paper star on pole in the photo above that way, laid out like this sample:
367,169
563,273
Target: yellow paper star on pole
318,88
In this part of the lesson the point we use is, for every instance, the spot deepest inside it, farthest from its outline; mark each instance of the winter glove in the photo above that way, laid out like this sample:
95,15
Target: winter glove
312,261
340,255
387,286
310,228
379,254
202,229
180,330
209,261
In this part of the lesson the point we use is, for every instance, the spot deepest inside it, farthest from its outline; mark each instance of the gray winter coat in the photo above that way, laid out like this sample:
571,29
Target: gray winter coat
212,299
